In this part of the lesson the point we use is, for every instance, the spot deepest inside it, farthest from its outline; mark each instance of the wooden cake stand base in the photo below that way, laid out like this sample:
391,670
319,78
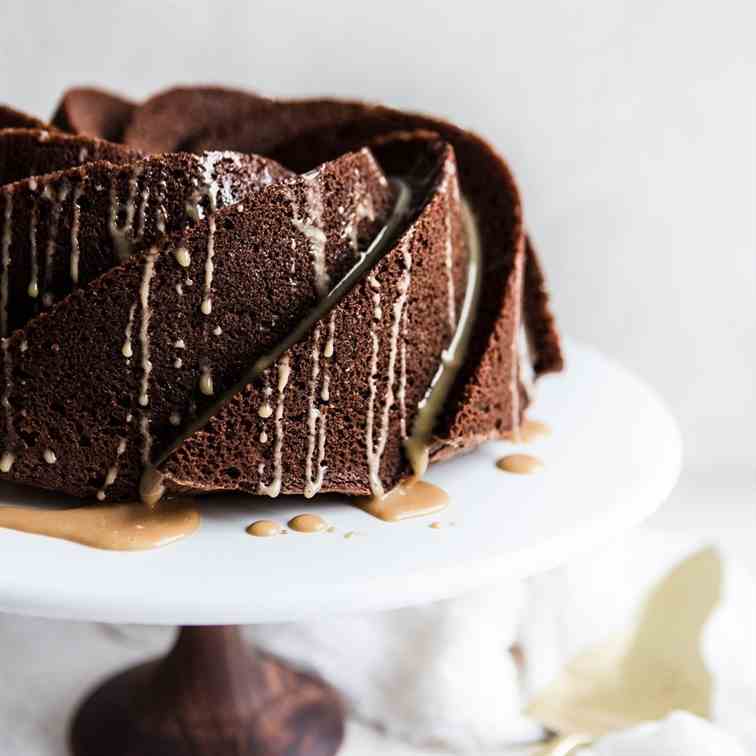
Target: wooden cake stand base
213,695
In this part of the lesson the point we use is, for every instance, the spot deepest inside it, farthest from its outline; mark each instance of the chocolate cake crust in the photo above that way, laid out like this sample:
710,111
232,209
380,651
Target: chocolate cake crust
93,112
37,152
15,119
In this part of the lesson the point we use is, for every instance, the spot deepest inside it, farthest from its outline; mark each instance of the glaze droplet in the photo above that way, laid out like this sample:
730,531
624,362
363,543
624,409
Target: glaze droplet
206,382
520,464
265,410
264,529
308,523
6,462
183,258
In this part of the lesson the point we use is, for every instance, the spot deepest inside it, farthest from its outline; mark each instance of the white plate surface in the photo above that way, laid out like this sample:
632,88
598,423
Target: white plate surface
614,456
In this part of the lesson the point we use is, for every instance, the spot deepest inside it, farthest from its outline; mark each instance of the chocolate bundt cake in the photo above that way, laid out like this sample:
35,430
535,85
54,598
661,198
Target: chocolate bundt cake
235,293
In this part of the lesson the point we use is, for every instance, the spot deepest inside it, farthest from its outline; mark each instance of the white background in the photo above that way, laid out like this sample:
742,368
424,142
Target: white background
629,124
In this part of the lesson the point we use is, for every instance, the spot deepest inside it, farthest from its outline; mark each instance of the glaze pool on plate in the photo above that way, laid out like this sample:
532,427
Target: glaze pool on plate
613,457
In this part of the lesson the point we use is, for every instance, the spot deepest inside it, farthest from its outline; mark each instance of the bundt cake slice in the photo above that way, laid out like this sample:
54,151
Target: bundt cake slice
65,229
15,119
332,412
96,386
181,115
94,112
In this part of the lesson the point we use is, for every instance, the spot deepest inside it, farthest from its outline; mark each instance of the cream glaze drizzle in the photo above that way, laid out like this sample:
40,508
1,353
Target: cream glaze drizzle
452,358
310,227
402,392
161,218
375,449
123,527
316,426
413,495
206,381
325,396
273,489
526,373
144,429
75,246
364,209
183,258
449,261
144,327
329,347
33,289
144,342
122,235
142,213
5,244
57,197
112,473
207,303
265,410
8,457
151,488
373,454
210,189
127,350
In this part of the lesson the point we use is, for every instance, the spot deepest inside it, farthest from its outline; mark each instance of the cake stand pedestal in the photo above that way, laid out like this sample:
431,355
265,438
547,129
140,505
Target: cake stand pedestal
212,694
613,457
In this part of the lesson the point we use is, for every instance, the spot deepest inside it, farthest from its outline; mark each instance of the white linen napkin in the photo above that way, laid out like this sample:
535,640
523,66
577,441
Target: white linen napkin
443,674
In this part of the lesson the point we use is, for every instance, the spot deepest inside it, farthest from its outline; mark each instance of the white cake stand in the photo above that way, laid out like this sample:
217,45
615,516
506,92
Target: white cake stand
614,456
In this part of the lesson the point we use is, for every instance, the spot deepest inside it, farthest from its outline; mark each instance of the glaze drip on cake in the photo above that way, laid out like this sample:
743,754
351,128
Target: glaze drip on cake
8,457
309,225
122,215
75,228
273,488
316,424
